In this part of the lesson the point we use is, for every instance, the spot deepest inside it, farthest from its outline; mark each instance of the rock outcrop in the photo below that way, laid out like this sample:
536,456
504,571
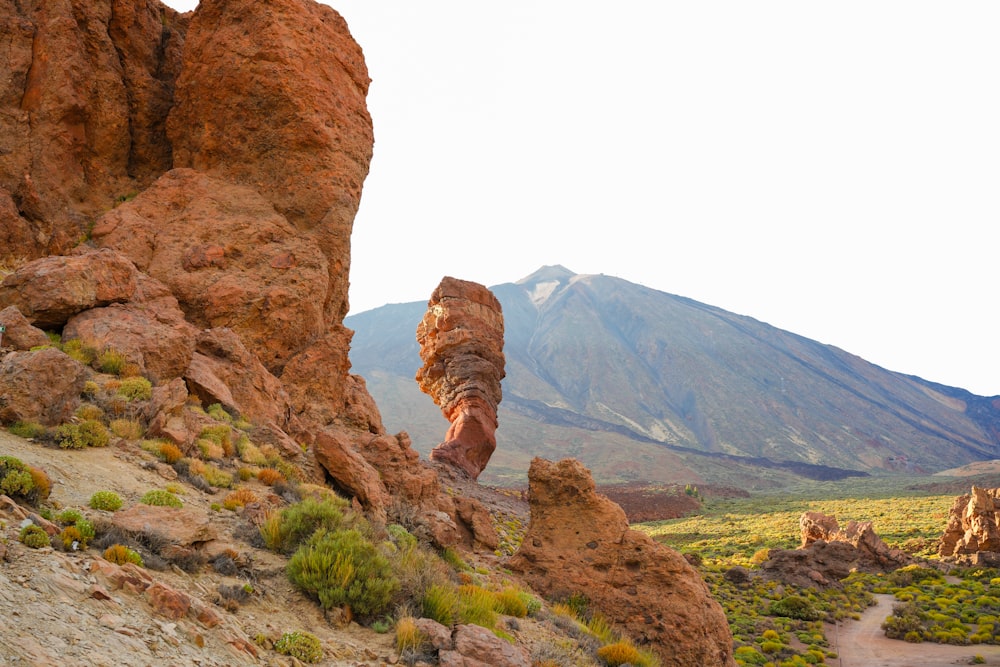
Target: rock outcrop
461,345
829,553
973,524
580,542
42,386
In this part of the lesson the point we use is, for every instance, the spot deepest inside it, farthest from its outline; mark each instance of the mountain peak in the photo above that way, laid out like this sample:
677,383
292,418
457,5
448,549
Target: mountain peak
542,283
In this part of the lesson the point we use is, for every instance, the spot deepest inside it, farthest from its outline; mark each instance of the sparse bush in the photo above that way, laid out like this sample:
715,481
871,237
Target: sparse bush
111,361
130,429
440,603
221,435
88,433
19,480
794,606
43,485
26,429
135,389
238,498
161,498
109,501
170,453
300,645
71,538
34,537
510,602
409,638
69,516
343,569
269,476
477,606
218,413
216,477
88,411
78,350
622,652
120,554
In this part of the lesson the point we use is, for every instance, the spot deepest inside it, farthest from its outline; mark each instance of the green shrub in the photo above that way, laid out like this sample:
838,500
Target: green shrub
510,602
300,645
477,606
17,483
111,361
409,638
20,480
135,389
344,569
80,351
622,653
34,537
284,532
88,411
794,606
86,530
26,429
216,477
88,433
69,516
440,603
218,413
108,501
221,435
160,498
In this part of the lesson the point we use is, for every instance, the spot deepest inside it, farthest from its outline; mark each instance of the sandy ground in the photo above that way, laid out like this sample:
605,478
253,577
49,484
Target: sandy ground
863,644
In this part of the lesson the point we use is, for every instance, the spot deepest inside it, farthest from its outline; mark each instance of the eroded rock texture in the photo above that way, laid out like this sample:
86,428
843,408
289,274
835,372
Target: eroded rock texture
580,542
461,345
84,99
973,524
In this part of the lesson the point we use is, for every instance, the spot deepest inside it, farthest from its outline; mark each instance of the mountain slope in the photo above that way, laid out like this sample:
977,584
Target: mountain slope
607,360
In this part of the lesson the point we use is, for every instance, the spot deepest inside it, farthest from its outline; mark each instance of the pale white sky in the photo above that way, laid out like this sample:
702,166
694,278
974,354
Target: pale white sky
832,169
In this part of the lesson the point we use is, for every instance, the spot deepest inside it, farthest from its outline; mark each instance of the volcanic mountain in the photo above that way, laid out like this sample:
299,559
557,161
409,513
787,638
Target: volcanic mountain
644,385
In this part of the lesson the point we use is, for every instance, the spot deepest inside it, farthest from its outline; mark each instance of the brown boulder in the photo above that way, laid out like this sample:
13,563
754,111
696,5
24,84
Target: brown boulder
475,646
155,338
461,345
83,101
173,527
580,542
215,245
224,371
288,115
50,290
474,518
19,333
42,386
165,413
973,524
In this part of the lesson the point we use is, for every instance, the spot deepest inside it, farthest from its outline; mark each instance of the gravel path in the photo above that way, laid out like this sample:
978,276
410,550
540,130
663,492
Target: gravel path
863,644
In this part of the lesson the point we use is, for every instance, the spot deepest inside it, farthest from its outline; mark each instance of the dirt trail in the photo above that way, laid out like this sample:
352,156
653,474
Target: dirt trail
863,644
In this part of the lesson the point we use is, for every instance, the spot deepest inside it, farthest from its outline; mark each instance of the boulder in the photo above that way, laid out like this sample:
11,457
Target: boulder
973,524
165,413
579,542
153,336
224,371
50,290
229,259
476,646
83,103
461,345
42,386
20,334
176,527
475,519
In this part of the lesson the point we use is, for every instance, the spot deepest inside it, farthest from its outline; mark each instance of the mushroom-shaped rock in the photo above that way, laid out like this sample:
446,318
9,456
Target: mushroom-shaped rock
461,345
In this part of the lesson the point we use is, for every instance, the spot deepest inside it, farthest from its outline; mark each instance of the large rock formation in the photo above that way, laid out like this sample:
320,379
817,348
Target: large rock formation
973,524
580,542
461,345
829,553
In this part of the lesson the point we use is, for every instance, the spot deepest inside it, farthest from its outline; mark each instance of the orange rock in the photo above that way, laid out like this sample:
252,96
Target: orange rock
42,386
167,601
579,542
461,345
973,524
20,335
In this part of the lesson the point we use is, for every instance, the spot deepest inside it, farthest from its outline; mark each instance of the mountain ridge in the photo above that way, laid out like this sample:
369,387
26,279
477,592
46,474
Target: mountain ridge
598,353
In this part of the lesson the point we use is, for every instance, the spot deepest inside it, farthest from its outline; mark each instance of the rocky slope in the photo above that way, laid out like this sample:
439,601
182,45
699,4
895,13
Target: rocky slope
638,382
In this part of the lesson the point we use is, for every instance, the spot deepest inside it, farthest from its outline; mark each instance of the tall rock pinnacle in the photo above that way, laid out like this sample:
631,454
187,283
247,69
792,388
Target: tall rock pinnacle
461,344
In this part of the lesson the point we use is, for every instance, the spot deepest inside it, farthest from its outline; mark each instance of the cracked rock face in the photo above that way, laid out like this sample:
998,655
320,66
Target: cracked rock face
973,524
461,345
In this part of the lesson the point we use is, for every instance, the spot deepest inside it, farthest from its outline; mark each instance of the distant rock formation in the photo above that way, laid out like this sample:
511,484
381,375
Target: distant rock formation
579,542
828,553
973,525
461,344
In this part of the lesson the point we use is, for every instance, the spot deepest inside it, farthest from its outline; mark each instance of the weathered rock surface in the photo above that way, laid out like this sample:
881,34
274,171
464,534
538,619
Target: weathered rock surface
580,542
50,290
42,386
476,646
973,524
170,526
229,259
461,345
20,334
829,553
83,103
